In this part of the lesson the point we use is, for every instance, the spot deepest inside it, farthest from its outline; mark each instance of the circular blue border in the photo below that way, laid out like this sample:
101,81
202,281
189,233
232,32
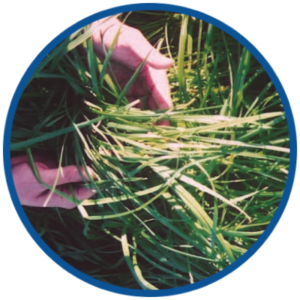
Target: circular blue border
254,52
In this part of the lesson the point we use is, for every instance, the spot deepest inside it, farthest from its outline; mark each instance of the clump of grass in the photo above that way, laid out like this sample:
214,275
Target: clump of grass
175,204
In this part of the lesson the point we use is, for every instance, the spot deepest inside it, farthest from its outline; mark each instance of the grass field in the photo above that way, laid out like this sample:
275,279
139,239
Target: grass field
174,205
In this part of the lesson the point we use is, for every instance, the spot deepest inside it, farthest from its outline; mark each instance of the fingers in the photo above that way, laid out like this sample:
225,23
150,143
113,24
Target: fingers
129,52
18,159
76,192
38,159
158,85
131,47
150,81
158,61
69,174
104,24
122,75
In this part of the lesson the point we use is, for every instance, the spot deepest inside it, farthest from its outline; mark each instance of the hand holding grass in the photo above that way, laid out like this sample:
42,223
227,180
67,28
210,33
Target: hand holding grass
129,50
33,193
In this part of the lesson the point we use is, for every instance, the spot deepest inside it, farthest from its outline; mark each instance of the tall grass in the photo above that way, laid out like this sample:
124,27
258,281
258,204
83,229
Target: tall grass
175,204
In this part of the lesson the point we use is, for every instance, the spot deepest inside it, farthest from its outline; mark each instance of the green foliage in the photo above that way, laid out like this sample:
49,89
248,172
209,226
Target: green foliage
175,204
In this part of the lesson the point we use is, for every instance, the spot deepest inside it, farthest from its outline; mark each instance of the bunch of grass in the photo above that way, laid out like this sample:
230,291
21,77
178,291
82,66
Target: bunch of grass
174,205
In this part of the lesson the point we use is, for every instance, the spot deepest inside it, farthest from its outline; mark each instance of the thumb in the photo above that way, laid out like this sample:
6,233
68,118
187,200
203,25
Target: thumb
69,174
157,61
132,48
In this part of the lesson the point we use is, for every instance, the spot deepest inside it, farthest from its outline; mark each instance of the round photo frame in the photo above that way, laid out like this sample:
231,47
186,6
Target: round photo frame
260,59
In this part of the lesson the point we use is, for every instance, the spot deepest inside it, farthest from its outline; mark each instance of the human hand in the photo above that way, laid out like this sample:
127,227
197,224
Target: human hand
129,52
32,193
